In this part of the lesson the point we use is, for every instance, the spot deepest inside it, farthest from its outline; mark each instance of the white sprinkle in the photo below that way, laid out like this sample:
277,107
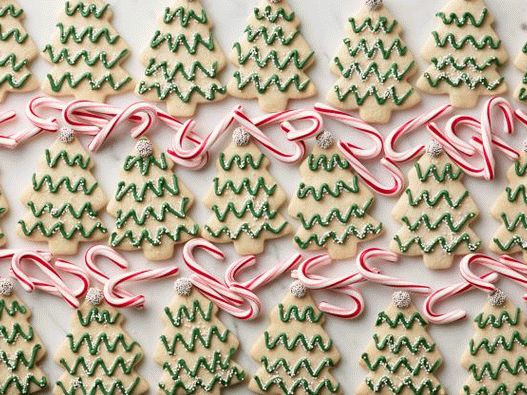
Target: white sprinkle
144,148
497,298
6,286
66,135
241,137
402,299
298,289
325,140
434,149
183,286
95,296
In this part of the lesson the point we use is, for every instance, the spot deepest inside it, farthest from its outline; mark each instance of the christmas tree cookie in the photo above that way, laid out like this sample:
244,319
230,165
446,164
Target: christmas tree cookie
150,205
295,352
184,60
196,350
511,210
521,64
64,199
272,58
331,204
86,54
436,211
373,65
402,358
245,199
465,55
21,350
99,357
17,51
496,358
3,211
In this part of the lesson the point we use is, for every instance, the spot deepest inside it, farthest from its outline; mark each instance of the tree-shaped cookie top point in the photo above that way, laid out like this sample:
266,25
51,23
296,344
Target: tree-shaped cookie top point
87,53
272,58
436,211
521,64
373,65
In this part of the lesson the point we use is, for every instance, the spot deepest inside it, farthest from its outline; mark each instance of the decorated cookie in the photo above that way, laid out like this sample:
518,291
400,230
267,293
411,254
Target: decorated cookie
86,54
511,210
196,350
151,205
521,64
64,199
436,211
495,357
21,350
184,60
295,352
272,58
402,358
373,65
465,55
244,199
17,49
99,357
331,204
3,211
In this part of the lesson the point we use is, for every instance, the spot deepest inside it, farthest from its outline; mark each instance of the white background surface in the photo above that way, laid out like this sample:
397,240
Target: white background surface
323,24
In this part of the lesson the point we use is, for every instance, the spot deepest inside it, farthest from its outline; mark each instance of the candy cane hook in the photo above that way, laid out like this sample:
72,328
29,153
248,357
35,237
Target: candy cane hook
374,274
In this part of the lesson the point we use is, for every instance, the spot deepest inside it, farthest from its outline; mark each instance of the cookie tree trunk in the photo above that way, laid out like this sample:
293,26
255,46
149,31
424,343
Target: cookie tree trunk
151,205
64,200
17,51
196,350
272,58
183,61
331,204
465,55
373,65
402,358
295,352
98,356
86,54
436,211
496,358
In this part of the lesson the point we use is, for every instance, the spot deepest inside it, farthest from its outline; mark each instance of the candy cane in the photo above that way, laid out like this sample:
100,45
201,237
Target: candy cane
285,118
7,141
112,286
236,300
521,116
90,258
442,294
263,278
408,127
30,283
342,285
374,275
492,264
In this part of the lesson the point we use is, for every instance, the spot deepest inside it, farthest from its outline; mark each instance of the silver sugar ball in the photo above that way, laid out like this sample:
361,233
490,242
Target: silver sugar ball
325,140
434,149
183,286
66,135
497,298
241,137
95,296
374,4
7,286
402,299
144,148
298,289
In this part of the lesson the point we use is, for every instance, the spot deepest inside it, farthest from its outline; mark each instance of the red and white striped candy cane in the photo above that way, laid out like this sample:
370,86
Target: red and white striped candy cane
490,263
374,275
7,141
237,300
448,292
101,251
408,127
521,116
285,118
53,284
263,278
114,283
341,285
486,137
